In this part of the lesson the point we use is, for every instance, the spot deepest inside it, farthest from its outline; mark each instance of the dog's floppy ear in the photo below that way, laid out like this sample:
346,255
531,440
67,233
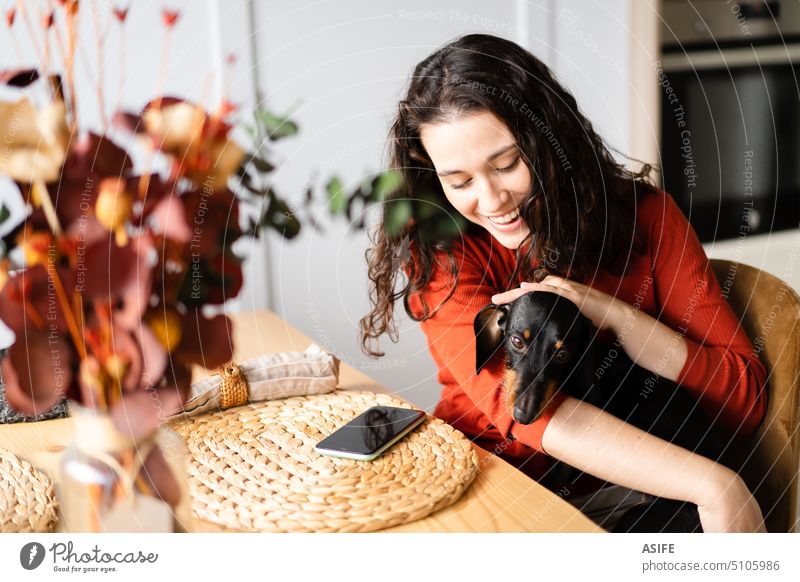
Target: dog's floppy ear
490,327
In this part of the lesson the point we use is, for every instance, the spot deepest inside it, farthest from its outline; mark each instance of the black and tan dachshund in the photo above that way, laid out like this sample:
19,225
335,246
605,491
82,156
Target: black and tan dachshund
550,346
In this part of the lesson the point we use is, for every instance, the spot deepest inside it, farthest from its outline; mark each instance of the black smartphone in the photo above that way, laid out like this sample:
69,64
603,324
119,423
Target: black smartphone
370,433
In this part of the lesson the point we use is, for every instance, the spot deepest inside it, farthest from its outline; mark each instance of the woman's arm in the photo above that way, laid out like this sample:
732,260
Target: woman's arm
646,341
598,443
722,370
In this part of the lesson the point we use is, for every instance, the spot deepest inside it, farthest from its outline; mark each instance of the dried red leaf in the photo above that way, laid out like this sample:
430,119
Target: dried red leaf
216,130
121,14
90,159
215,220
207,342
48,19
19,77
11,15
135,296
227,269
140,413
164,101
126,349
154,356
74,203
69,6
128,122
37,371
32,286
212,280
226,108
95,155
169,220
157,189
170,17
112,273
158,475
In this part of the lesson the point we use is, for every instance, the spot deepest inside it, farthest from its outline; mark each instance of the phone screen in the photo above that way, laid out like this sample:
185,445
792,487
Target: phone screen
371,430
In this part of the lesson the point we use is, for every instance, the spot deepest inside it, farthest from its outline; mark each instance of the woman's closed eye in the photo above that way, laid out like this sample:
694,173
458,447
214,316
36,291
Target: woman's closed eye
461,185
504,170
509,167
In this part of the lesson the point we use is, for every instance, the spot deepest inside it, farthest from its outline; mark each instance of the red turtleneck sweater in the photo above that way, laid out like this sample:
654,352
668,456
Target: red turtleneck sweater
672,281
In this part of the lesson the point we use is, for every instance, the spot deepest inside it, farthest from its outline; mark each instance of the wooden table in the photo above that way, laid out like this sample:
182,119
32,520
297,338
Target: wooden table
501,499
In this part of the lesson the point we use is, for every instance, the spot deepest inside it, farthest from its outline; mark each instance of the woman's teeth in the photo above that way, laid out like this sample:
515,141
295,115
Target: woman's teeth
506,218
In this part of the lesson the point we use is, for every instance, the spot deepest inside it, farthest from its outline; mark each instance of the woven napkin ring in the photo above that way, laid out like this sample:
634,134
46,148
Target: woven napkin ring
232,387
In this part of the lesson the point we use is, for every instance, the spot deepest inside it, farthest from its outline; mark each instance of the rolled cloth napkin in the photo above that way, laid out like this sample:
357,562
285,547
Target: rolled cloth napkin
271,376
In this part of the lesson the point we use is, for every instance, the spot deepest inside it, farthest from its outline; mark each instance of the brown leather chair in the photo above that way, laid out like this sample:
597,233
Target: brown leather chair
768,460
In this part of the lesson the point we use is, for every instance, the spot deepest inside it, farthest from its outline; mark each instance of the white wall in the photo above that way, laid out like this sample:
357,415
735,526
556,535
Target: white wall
591,53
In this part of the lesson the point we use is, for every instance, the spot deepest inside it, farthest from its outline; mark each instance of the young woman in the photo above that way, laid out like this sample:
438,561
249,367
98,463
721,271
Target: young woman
487,128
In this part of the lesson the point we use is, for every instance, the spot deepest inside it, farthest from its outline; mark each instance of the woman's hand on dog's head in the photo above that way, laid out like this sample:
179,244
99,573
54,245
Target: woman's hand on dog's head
605,311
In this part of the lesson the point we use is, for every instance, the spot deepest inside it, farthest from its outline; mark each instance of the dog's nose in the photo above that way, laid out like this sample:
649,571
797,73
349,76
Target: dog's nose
522,415
524,411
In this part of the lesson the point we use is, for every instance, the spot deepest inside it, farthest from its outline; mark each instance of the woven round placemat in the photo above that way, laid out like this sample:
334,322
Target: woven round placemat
27,497
253,468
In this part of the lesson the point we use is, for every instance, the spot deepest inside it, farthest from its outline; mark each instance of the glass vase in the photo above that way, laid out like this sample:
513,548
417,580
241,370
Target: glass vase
101,488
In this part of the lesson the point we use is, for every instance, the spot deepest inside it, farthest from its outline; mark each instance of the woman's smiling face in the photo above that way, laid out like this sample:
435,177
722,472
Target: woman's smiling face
482,172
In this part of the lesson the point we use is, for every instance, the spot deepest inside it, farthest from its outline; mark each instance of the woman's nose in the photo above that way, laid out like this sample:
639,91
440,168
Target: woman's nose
492,197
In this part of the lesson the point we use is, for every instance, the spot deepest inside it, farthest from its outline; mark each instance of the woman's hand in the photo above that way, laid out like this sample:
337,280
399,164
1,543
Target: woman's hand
595,441
730,507
605,311
646,341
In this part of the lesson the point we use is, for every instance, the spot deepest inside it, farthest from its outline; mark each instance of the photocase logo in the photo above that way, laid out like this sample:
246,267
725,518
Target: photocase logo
31,555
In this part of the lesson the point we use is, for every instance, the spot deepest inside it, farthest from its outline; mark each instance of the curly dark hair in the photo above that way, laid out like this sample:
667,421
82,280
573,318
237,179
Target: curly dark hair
582,202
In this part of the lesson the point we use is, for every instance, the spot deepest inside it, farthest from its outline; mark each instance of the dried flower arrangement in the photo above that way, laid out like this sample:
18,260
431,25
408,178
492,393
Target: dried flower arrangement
108,281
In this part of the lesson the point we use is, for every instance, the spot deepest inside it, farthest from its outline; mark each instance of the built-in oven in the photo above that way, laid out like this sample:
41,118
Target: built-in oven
729,79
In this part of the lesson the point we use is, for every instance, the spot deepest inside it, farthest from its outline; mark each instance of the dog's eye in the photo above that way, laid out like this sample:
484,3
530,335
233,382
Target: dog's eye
562,356
517,342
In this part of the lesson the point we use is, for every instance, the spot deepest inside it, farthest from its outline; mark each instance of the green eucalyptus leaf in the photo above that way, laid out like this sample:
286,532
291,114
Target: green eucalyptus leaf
426,206
251,130
276,127
261,164
4,213
386,184
337,199
448,227
398,213
280,217
248,184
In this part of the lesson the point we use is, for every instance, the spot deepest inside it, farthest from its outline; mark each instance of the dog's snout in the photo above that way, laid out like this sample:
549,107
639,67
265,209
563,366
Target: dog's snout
531,401
524,416
526,408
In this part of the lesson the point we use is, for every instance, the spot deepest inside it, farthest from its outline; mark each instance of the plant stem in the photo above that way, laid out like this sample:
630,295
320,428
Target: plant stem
31,312
120,104
77,339
71,44
42,196
101,41
142,486
95,494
